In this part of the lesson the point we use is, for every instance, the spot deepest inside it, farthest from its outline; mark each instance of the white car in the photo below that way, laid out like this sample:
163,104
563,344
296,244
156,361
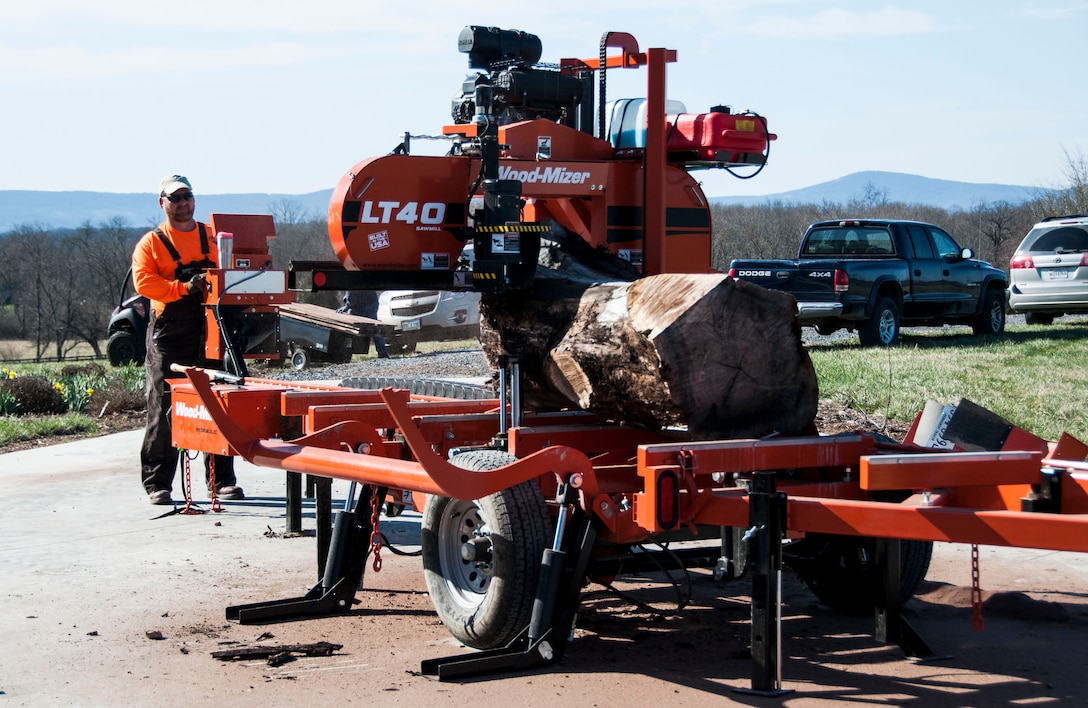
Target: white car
1049,270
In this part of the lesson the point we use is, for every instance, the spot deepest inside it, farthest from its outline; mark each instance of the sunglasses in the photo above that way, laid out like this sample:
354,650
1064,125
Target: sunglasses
175,198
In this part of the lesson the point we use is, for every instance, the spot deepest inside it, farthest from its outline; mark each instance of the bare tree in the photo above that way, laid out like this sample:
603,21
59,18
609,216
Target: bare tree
105,254
872,202
1072,198
289,211
304,241
31,262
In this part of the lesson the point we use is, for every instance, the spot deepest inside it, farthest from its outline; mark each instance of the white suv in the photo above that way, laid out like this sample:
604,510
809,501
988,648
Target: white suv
1048,273
429,316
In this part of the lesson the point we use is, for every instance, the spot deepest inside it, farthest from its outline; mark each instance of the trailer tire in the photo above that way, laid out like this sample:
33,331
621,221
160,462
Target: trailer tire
300,359
840,572
485,603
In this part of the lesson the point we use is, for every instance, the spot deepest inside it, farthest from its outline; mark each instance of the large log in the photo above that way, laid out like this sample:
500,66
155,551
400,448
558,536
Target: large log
720,356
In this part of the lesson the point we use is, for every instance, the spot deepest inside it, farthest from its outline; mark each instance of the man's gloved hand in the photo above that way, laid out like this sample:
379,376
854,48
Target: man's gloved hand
198,284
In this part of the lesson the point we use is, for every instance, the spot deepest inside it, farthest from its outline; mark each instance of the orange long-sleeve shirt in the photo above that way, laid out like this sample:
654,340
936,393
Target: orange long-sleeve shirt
153,267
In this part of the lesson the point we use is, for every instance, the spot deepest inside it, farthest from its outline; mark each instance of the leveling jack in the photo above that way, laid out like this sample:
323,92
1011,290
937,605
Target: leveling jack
562,574
767,519
343,569
891,626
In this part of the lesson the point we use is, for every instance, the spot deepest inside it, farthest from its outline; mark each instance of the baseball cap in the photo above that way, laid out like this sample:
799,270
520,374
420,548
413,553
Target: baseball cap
173,183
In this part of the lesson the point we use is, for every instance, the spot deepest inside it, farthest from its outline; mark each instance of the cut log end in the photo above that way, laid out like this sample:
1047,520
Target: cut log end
720,356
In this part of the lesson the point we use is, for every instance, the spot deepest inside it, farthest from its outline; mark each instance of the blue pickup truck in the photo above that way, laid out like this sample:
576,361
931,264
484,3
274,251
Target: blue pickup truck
874,276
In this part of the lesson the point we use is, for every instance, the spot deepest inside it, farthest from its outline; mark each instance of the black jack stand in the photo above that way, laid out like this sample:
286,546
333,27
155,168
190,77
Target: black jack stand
343,570
890,624
767,520
544,641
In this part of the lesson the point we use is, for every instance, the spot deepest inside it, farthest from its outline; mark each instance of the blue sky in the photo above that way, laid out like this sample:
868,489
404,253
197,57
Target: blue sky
285,96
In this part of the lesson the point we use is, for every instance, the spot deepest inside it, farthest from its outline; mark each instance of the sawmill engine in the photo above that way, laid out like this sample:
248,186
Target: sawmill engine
521,89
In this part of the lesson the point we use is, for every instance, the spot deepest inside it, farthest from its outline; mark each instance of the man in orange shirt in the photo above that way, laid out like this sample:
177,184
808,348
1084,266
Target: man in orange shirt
168,267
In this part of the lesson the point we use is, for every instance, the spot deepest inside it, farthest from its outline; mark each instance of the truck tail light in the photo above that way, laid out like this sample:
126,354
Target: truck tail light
841,280
1021,262
732,273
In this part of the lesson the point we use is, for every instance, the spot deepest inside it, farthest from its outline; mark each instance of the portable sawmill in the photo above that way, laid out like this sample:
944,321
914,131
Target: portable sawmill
520,505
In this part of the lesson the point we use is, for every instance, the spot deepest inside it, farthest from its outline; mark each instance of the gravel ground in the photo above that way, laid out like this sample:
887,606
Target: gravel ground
456,364
470,365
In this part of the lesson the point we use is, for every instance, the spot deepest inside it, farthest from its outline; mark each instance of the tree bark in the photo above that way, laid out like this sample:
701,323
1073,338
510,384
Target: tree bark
722,357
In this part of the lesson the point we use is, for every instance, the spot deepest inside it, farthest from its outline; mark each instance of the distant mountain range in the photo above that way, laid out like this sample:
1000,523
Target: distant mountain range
896,187
72,209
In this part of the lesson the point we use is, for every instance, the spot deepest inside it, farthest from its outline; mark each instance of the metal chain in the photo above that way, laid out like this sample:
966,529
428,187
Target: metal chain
375,534
447,138
976,591
187,483
216,506
603,85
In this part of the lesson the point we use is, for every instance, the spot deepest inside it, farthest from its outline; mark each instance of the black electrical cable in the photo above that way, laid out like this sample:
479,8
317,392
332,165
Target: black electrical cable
396,551
475,186
479,177
766,154
681,599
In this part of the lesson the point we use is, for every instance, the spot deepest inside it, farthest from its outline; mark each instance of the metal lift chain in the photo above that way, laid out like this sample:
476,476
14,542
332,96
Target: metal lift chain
976,591
216,506
375,532
187,483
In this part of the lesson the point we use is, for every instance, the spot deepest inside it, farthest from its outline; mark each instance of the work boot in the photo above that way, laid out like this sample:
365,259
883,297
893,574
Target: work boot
160,497
230,492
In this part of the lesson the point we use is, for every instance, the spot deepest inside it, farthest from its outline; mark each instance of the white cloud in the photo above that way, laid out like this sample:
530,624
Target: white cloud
1054,12
836,23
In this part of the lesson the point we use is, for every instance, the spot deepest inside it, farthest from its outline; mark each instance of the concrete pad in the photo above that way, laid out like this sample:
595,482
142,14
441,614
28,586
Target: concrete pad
89,566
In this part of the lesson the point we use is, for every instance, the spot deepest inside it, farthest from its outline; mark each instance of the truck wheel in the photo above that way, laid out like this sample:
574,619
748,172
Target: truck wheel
481,559
882,330
826,329
991,319
123,348
841,573
1034,318
300,359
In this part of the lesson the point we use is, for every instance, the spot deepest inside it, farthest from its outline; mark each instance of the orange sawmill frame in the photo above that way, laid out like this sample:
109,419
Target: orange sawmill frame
833,485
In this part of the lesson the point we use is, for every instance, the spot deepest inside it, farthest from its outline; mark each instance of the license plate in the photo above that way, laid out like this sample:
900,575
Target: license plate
409,325
1057,274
